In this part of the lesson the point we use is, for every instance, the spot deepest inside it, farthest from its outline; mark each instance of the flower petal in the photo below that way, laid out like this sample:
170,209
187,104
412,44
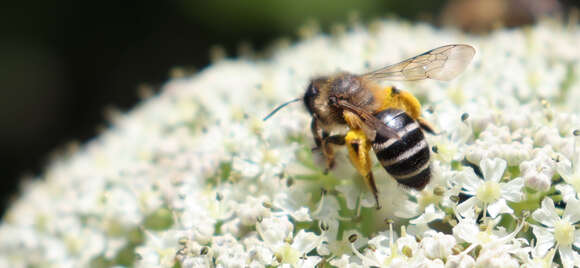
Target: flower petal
567,191
577,238
567,255
468,181
572,211
546,215
351,193
304,242
467,206
512,190
545,240
492,169
564,168
498,207
466,231
431,213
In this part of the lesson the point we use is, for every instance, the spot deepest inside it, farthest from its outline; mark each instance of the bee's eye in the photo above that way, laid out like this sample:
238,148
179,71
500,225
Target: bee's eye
312,90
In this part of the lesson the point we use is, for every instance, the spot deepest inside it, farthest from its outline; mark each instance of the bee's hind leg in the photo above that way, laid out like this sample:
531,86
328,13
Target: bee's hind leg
358,150
425,125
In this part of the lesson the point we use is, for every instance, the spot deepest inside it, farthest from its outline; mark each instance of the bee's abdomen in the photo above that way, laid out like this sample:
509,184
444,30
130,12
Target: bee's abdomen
406,158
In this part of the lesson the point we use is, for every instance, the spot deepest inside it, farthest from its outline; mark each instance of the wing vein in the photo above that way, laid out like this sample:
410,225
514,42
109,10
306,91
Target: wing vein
442,63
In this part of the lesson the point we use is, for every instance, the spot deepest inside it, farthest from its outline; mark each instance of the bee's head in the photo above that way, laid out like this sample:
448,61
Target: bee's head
312,93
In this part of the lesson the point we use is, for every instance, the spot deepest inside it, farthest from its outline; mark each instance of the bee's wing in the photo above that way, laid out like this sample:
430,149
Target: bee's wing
370,120
442,63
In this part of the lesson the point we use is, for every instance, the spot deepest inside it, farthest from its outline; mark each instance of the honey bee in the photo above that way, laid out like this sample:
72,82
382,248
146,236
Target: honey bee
385,119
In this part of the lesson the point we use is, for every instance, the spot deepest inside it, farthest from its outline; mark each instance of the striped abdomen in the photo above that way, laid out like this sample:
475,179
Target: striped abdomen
406,158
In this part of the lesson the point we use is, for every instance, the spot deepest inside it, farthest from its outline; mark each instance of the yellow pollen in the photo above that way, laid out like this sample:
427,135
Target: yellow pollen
489,192
564,233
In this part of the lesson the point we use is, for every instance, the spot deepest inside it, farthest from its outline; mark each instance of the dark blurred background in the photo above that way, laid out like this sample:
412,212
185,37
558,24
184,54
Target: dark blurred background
63,62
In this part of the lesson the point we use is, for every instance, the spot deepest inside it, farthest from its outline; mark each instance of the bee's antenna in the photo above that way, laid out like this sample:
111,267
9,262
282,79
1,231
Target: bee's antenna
280,107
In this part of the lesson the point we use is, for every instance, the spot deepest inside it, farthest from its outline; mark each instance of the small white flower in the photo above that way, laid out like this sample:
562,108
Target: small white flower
491,238
450,145
252,209
327,213
434,197
437,245
288,204
558,231
541,261
537,172
344,245
387,251
490,193
460,261
295,253
570,170
228,251
275,230
497,257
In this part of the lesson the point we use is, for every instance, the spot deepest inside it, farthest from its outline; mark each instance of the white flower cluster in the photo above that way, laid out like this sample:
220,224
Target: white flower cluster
194,178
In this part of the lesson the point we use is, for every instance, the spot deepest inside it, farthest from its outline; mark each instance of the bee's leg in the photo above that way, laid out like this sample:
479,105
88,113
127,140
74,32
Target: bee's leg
328,153
327,143
335,139
358,150
316,133
401,99
425,125
324,142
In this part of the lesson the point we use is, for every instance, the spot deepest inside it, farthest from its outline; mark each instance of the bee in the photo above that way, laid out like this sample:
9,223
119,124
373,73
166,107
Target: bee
384,119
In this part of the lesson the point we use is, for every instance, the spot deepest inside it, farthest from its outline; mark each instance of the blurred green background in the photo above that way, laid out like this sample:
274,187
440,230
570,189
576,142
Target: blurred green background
63,62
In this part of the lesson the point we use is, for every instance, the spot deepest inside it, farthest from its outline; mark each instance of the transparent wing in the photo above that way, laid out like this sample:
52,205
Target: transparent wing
442,63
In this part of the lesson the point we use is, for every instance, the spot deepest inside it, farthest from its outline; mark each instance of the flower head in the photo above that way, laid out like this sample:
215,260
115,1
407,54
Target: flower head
193,177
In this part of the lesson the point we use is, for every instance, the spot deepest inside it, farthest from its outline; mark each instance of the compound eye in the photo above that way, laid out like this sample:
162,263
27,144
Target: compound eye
312,90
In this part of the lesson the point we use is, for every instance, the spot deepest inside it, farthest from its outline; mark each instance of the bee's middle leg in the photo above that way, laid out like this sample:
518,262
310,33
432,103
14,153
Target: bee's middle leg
358,150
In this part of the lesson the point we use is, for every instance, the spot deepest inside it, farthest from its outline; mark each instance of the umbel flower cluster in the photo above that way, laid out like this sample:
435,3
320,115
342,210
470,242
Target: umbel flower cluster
193,177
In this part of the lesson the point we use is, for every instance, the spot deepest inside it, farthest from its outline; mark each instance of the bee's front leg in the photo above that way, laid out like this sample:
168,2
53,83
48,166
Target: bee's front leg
358,150
324,141
316,133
